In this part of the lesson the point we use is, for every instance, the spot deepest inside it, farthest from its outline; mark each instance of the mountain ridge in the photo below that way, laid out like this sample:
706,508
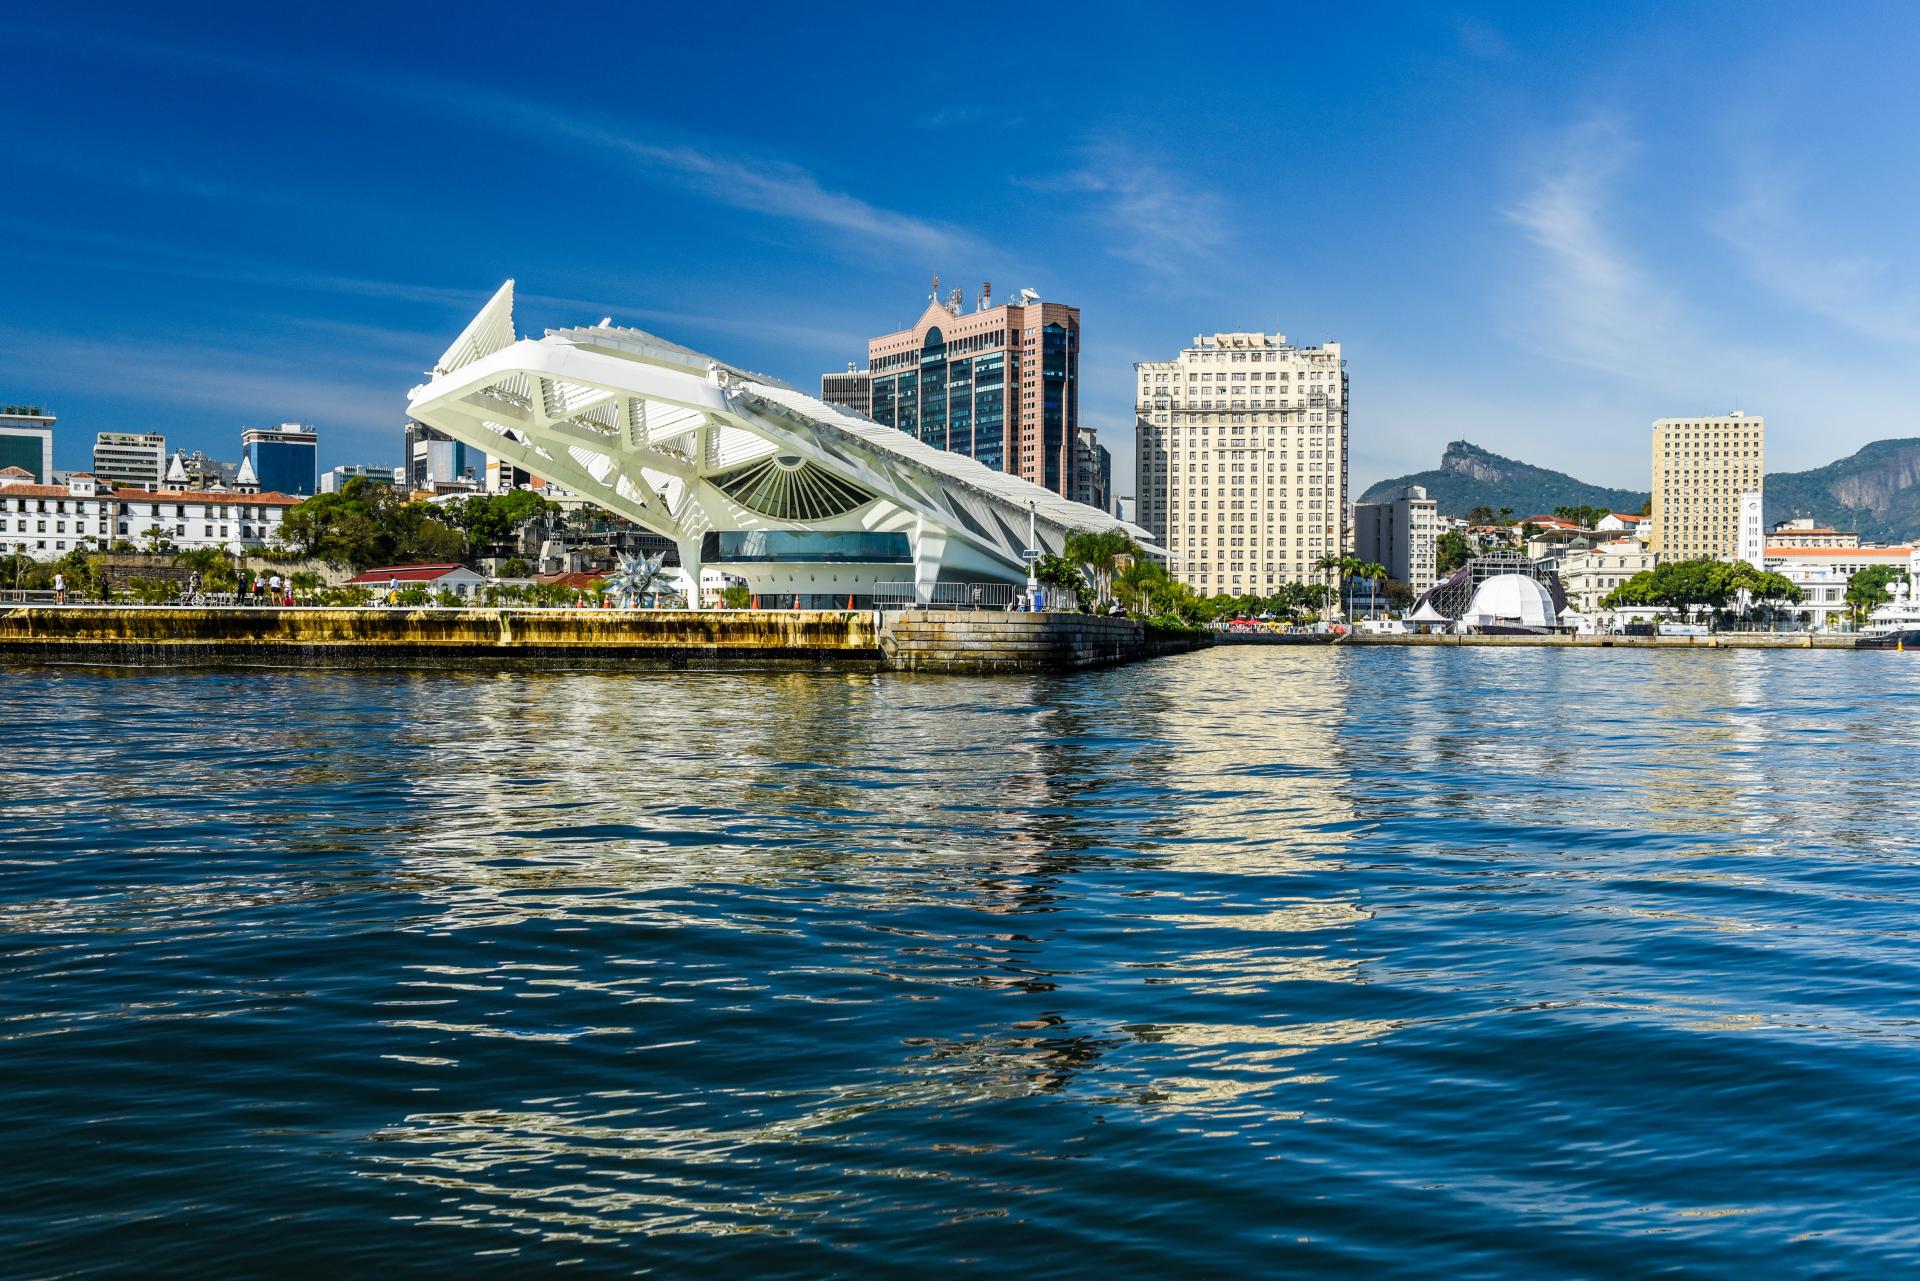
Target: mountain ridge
1469,477
1874,491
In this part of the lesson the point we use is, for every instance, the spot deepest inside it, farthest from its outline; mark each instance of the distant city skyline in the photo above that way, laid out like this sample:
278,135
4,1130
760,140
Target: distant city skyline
1536,230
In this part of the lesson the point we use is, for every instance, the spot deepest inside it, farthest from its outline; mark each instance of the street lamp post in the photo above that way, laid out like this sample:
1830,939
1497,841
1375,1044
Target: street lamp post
1033,557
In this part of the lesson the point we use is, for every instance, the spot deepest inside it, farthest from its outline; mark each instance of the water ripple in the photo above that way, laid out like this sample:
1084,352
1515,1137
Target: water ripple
1386,963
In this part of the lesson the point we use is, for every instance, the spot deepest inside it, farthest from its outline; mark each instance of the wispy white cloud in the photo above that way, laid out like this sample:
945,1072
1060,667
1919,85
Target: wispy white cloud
951,117
728,176
364,399
1590,301
110,251
735,178
1481,40
1636,299
1767,228
1153,215
753,322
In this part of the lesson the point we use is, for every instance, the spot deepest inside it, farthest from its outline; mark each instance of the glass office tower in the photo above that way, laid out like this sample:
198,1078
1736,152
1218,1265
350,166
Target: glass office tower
286,459
998,384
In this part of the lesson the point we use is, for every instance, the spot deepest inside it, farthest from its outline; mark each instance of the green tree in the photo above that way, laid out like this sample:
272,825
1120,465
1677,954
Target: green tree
1101,553
82,574
215,567
1871,587
1059,574
1342,568
1688,585
1584,516
492,519
1144,587
366,524
19,572
736,596
1451,552
1481,515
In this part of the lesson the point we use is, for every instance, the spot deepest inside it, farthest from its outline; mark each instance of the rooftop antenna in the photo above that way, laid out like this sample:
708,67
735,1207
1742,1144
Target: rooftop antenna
936,287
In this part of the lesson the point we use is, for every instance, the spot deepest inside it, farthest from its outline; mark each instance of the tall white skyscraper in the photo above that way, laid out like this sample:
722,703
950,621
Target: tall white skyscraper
1241,460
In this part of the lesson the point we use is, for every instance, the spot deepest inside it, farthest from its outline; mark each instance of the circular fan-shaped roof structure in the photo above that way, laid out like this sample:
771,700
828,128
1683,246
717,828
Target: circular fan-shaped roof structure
1512,600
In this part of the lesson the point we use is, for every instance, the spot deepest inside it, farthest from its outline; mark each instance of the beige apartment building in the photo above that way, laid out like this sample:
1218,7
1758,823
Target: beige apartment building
1241,460
1401,533
1702,467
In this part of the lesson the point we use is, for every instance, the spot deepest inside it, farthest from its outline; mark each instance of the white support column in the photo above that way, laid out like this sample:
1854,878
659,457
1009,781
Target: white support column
929,550
690,562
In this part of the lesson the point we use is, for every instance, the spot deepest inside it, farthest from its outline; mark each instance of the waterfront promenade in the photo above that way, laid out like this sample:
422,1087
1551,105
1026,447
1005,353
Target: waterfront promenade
982,641
969,641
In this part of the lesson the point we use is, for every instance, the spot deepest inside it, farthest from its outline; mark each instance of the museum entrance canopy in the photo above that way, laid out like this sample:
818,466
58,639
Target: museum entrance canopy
701,451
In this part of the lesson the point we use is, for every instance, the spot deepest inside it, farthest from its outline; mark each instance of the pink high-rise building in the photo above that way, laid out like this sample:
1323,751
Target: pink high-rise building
1000,384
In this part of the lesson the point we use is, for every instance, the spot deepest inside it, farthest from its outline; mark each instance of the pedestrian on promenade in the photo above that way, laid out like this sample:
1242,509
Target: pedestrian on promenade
393,589
59,587
273,589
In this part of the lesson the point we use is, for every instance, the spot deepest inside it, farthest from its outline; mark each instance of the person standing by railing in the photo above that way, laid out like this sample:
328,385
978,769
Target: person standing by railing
59,587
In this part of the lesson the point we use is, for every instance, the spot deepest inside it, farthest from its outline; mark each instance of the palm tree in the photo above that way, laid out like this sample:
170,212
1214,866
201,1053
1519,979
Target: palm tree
1373,571
1343,568
1330,564
1099,552
1140,582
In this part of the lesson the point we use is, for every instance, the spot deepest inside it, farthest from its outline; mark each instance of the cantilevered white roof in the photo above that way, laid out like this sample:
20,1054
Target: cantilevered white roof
683,442
955,467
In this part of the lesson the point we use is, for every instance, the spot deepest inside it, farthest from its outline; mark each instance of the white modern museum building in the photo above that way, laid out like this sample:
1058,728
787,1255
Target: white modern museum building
744,473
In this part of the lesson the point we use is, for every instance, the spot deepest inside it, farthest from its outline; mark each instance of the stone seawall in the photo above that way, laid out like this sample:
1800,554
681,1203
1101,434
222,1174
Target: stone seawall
936,641
989,641
673,638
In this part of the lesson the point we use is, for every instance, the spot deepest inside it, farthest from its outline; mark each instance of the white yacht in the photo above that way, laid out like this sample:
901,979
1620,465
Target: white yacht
1894,625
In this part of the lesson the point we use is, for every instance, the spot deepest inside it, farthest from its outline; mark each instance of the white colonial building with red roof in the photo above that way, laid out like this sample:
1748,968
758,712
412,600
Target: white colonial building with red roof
1822,573
46,522
444,577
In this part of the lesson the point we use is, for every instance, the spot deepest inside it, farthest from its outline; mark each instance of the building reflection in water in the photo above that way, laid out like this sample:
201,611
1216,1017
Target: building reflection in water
998,892
598,957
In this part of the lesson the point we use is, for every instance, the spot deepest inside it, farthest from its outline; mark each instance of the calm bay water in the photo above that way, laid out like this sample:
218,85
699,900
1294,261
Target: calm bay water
1394,963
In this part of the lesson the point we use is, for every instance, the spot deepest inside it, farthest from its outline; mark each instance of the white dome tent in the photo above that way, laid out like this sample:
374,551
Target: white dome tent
1510,603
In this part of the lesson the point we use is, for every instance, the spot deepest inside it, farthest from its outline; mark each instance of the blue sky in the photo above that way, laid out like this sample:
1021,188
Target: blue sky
1536,227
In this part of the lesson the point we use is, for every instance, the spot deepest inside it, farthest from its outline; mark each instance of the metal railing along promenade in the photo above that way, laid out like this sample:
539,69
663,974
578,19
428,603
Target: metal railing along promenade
991,596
